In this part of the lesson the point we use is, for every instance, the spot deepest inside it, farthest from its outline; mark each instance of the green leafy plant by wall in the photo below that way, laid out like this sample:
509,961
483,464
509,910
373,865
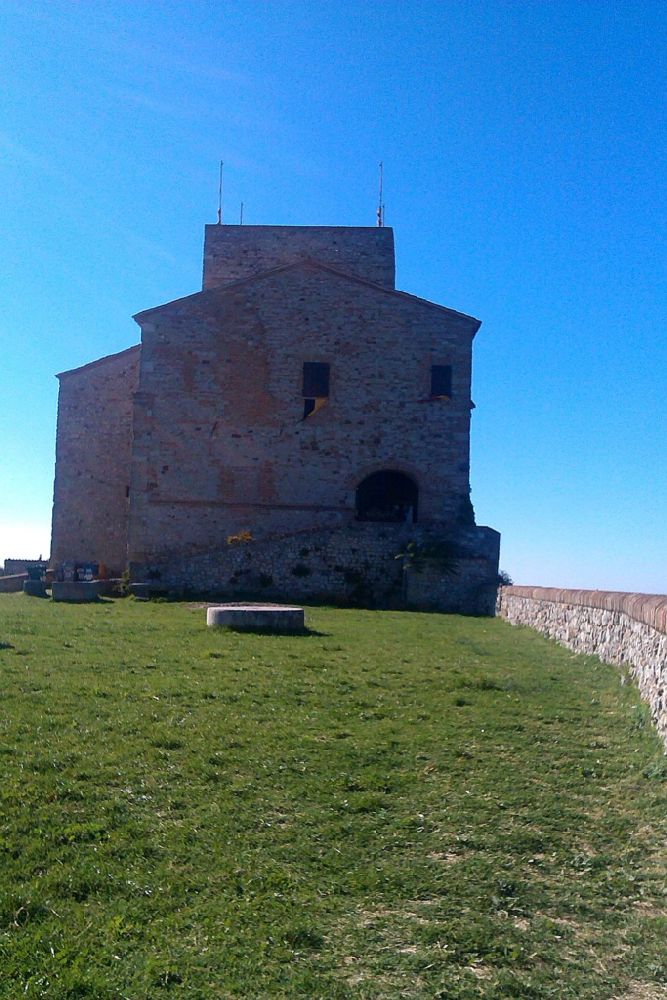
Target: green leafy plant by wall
441,553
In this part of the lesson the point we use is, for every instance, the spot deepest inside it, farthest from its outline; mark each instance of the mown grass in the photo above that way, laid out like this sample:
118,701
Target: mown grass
399,805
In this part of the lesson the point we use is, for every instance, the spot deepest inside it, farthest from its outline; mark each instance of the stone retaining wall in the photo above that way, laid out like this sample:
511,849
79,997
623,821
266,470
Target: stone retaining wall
619,628
356,564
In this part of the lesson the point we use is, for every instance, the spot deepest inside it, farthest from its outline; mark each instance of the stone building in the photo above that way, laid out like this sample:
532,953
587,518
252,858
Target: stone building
288,430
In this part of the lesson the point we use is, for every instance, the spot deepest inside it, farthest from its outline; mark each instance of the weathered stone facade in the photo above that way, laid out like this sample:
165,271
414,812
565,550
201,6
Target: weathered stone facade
93,456
619,628
235,252
226,440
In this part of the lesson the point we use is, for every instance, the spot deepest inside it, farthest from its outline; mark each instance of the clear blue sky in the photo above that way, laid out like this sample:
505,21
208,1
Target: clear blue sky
524,152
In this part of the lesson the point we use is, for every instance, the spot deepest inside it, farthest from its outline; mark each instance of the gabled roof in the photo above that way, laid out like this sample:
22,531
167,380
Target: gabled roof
303,264
100,361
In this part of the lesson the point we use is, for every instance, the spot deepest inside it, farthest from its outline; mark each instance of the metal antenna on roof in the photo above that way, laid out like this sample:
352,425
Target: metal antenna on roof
241,219
220,195
380,211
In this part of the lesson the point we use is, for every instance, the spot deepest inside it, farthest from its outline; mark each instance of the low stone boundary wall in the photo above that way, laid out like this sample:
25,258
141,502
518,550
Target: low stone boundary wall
12,584
619,628
75,591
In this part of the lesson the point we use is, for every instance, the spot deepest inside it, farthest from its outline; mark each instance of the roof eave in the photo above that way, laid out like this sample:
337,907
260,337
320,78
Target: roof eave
99,361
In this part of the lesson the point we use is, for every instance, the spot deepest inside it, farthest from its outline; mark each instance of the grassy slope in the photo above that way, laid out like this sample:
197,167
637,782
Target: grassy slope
404,805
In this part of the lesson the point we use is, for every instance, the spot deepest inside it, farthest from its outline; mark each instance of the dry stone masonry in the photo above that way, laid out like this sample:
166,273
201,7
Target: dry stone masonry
629,629
298,403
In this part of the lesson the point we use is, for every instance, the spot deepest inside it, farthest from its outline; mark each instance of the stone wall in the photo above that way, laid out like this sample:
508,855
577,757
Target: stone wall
619,628
14,566
356,564
235,252
12,584
472,584
93,448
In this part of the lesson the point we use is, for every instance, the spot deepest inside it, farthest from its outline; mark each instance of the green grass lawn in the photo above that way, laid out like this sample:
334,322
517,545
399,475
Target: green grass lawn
396,805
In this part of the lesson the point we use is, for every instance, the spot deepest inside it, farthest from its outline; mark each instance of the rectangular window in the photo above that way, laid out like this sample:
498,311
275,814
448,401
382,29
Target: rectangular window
441,380
315,380
315,390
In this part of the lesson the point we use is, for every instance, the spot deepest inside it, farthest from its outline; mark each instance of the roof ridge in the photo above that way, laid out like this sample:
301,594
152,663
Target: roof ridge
310,262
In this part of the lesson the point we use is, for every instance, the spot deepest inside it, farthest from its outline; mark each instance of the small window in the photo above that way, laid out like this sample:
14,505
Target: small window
315,386
315,380
441,380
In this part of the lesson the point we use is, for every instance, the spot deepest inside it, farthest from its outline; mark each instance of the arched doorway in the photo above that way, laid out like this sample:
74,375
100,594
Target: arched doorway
387,496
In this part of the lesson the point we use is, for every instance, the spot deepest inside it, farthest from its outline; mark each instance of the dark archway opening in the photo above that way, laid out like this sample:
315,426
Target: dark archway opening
387,496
